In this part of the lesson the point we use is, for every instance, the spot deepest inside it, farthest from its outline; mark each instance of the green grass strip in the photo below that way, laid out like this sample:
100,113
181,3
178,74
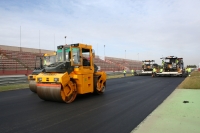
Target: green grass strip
191,82
13,87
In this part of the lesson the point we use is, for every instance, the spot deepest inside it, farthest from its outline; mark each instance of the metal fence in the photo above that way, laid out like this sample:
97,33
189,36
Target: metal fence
15,79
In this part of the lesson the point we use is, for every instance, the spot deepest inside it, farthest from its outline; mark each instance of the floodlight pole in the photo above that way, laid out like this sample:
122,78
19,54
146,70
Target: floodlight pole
138,61
20,38
104,57
65,39
97,48
125,57
54,42
39,42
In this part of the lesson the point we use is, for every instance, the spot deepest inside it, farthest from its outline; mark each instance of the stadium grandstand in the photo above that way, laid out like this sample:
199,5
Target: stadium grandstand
21,60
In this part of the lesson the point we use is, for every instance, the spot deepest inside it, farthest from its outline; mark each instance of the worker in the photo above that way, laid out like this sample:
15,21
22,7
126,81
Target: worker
154,70
163,63
143,65
132,71
186,70
177,63
124,73
86,62
189,71
45,62
161,70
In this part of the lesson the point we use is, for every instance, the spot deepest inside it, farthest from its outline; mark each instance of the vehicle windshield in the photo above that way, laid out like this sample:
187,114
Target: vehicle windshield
76,56
49,60
170,60
148,63
60,54
167,60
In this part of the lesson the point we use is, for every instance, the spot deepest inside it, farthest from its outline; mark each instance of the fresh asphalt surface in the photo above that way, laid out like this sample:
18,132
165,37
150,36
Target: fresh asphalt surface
125,103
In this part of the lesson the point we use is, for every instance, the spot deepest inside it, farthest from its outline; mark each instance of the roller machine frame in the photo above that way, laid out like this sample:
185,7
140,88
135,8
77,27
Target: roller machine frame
63,80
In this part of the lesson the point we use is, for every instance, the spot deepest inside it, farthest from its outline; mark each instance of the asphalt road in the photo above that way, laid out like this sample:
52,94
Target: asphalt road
125,103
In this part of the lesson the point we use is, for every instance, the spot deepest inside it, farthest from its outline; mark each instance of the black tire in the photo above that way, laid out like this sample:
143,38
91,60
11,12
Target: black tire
95,68
153,75
96,79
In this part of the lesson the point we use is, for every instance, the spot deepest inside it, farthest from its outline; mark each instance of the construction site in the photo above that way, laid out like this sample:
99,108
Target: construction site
73,74
100,66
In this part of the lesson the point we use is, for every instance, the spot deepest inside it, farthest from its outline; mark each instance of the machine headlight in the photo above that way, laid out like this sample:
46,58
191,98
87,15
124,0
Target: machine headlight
39,79
56,79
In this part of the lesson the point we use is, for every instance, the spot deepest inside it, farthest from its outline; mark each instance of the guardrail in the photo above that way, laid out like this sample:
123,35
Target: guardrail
15,79
117,73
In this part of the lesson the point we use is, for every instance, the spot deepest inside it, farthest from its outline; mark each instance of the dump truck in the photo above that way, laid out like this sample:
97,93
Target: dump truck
171,66
40,63
74,73
147,67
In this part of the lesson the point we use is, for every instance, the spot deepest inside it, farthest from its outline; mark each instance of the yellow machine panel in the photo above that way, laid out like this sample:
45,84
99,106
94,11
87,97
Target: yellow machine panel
84,83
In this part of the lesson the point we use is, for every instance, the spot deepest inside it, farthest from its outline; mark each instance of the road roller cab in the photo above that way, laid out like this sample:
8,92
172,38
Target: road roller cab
40,63
74,73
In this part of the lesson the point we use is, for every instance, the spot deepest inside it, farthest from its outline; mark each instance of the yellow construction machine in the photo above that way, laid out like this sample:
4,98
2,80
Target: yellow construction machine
40,63
147,67
74,73
171,66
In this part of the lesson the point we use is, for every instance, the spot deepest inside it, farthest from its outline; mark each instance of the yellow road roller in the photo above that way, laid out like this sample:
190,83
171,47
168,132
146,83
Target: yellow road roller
40,63
73,73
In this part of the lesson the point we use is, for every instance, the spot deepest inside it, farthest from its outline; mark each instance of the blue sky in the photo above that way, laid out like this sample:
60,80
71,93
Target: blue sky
145,29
